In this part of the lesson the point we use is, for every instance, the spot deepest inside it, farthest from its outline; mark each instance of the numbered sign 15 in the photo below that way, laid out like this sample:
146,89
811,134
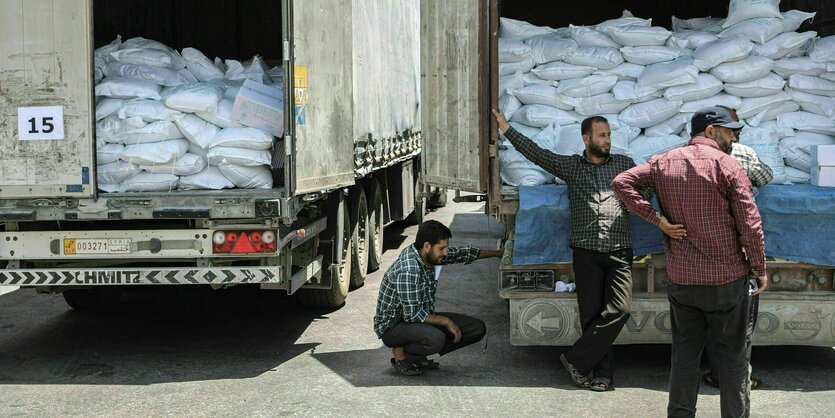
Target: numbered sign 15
40,123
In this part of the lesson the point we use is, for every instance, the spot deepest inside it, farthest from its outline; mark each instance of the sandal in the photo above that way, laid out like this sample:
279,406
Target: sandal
405,368
601,384
578,378
427,364
756,383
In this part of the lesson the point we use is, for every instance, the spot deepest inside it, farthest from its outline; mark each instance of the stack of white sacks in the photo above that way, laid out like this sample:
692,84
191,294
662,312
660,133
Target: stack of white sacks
163,120
648,81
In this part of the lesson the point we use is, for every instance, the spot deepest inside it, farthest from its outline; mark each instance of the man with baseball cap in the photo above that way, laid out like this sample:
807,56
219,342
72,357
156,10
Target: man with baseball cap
704,191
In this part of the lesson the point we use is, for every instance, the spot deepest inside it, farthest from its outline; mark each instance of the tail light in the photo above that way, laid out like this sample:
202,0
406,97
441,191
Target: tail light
244,242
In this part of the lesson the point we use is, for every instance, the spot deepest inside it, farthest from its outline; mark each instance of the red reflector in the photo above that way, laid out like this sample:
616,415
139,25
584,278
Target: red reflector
244,242
243,245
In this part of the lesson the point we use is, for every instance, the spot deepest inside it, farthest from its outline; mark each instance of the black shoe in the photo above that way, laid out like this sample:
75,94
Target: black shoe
427,364
406,368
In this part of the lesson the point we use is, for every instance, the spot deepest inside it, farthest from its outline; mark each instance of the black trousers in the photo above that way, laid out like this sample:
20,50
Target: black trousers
604,294
420,339
723,313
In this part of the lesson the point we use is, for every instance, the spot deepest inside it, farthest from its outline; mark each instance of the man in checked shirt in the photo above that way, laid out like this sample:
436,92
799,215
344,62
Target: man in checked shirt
601,244
704,190
406,319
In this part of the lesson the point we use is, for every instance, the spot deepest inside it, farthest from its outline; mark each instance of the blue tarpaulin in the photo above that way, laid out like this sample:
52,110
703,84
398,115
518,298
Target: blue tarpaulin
798,220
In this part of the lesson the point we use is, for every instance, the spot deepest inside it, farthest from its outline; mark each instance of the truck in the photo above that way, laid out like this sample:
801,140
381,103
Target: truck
347,165
461,153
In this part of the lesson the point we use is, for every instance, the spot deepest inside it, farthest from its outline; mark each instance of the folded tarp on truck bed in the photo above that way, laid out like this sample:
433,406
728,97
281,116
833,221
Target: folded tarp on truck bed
799,223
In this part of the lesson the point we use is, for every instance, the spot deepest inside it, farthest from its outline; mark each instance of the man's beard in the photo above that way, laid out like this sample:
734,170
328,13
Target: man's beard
597,151
434,261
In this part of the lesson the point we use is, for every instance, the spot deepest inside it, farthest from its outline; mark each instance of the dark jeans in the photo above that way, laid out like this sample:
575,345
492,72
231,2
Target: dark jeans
604,294
722,312
420,339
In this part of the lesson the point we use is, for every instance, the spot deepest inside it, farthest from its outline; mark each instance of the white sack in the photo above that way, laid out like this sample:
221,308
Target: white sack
691,39
148,110
107,106
667,74
156,75
795,176
766,86
601,57
153,132
626,91
529,79
635,35
739,10
239,156
250,138
528,131
709,24
828,76
646,55
644,147
519,30
822,105
784,44
671,126
513,51
588,86
116,172
797,149
624,71
246,177
108,128
109,187
653,112
766,143
793,19
541,95
542,116
598,105
508,105
198,150
759,30
202,97
705,86
800,65
585,36
720,99
507,68
222,116
548,48
148,182
562,71
150,57
142,43
202,67
127,88
196,130
255,71
626,19
823,50
728,49
812,85
155,153
186,165
744,70
773,113
806,121
108,153
507,83
210,178
516,170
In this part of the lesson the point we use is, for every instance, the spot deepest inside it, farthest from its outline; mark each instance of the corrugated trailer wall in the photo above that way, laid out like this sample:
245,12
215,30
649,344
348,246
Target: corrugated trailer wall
592,12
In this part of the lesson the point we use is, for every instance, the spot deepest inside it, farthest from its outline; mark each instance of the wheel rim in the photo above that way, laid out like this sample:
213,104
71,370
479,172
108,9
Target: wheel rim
362,235
345,263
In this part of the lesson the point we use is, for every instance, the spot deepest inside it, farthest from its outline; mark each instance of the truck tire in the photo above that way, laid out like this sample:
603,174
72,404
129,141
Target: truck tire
360,237
438,199
94,299
376,223
340,235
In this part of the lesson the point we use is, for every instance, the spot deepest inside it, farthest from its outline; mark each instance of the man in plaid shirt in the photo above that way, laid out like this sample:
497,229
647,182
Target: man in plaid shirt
704,192
601,243
406,319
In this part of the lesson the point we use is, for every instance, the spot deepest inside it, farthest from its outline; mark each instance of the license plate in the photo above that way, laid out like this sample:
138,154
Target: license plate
96,246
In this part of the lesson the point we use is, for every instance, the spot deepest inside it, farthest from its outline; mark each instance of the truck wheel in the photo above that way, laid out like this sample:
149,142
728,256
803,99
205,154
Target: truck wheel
375,226
438,199
360,237
340,236
97,298
416,218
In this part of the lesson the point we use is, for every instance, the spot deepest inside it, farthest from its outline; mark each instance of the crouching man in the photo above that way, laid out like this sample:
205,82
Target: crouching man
406,319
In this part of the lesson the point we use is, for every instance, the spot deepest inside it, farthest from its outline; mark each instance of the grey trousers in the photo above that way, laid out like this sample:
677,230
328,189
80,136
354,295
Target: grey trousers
420,339
721,312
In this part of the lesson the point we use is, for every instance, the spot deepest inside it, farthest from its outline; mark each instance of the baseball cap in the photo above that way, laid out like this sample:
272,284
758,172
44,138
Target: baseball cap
716,116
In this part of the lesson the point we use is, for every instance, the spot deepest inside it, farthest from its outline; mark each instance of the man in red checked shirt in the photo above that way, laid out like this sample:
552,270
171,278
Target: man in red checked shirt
704,192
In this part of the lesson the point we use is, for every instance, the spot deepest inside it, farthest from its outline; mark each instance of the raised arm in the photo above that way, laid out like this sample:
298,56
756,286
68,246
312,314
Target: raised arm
551,162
